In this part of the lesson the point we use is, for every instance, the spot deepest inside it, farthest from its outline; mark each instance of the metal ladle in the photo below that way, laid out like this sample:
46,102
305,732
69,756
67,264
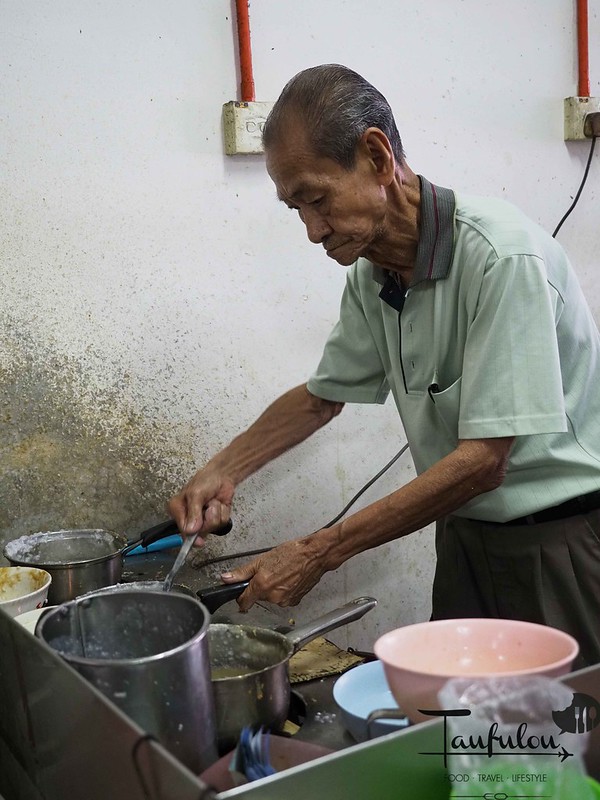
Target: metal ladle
188,542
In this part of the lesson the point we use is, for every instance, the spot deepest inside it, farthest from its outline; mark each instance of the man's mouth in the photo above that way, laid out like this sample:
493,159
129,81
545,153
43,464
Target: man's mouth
335,247
340,253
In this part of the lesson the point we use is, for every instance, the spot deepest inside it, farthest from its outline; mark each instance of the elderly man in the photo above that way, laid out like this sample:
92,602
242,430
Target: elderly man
471,315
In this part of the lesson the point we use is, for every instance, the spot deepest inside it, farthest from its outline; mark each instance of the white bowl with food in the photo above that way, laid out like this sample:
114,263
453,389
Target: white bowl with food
23,589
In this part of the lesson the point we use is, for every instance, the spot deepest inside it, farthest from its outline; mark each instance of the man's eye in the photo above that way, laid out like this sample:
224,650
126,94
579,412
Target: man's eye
316,201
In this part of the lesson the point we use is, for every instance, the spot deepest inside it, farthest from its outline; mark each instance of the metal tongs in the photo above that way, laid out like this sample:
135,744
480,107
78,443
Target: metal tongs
188,543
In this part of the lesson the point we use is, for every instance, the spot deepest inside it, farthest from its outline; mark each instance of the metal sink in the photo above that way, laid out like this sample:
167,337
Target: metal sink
59,737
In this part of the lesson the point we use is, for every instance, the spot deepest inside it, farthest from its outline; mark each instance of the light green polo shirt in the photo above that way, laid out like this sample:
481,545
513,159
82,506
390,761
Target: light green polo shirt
494,338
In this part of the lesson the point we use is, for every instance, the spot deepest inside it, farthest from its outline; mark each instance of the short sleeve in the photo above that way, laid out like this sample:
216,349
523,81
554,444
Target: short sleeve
351,370
512,383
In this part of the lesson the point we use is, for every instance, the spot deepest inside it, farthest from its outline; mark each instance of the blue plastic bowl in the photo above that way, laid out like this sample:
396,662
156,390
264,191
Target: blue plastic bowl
358,693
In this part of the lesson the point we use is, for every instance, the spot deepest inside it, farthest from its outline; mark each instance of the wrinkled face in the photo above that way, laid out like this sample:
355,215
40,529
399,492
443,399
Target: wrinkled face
343,210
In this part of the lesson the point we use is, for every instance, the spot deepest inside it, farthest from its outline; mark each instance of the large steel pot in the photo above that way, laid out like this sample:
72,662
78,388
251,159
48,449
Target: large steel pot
147,652
249,669
82,560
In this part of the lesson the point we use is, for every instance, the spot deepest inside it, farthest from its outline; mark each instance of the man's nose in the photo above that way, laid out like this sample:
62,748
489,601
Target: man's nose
317,227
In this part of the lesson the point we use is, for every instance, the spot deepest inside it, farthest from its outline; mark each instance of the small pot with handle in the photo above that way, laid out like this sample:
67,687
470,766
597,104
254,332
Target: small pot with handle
83,560
249,669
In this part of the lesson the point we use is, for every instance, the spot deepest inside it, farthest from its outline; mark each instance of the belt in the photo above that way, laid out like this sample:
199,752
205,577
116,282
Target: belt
570,508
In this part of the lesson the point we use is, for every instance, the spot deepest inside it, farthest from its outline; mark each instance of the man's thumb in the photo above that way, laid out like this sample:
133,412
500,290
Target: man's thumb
240,574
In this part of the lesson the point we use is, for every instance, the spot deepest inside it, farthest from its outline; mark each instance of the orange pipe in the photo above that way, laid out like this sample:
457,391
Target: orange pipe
583,89
243,28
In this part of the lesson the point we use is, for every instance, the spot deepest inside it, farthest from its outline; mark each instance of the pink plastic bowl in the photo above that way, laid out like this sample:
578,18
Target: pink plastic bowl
419,659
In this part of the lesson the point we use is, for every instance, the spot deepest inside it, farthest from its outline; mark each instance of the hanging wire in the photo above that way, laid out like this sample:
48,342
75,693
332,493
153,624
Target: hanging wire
578,195
250,553
366,486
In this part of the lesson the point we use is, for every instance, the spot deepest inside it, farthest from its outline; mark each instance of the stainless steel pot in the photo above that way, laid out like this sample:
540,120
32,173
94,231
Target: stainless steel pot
146,586
79,560
249,669
147,652
82,560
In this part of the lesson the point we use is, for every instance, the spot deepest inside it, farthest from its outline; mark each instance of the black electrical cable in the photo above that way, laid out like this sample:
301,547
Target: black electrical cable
579,191
366,486
250,553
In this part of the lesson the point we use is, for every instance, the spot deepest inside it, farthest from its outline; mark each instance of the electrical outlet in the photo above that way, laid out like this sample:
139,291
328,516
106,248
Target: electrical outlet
576,110
242,126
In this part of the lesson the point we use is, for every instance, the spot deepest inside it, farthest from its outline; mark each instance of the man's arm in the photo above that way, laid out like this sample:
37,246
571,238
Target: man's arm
286,573
205,501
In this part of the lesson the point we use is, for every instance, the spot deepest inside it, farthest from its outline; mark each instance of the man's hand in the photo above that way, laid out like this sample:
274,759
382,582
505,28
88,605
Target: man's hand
282,576
204,503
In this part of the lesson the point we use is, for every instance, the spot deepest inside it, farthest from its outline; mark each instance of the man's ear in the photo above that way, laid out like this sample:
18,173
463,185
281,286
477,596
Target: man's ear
377,147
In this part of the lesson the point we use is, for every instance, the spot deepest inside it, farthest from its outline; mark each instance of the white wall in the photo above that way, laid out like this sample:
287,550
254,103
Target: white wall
155,296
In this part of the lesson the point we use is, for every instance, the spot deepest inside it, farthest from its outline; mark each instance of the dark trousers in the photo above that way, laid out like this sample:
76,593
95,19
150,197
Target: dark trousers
547,573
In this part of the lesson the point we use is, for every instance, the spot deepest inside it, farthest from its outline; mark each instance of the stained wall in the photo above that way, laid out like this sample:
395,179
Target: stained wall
154,295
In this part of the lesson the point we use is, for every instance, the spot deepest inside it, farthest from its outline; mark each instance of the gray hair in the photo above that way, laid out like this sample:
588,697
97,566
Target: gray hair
337,106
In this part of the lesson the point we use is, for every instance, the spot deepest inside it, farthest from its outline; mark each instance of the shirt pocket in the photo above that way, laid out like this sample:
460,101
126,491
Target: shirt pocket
447,407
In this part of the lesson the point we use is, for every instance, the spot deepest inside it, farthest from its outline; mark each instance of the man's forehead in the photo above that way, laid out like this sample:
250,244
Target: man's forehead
295,188
294,171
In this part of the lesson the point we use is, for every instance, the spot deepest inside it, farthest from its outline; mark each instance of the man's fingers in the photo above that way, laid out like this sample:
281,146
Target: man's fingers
177,510
199,542
277,577
246,600
195,515
216,514
244,573
204,514
204,503
249,596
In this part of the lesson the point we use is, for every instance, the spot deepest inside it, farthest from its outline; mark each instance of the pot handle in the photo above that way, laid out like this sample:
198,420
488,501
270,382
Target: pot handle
160,531
215,596
350,612
386,713
148,537
167,528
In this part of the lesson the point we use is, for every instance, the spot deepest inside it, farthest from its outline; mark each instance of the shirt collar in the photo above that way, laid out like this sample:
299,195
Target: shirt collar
436,235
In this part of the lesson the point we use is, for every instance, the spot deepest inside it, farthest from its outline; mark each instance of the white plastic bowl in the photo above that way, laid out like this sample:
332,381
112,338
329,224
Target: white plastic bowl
23,589
29,619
